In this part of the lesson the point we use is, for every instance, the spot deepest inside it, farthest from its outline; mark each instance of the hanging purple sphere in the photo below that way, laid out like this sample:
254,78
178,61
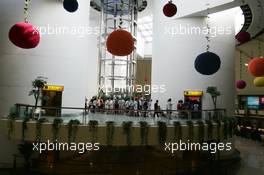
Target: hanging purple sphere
243,37
241,84
170,9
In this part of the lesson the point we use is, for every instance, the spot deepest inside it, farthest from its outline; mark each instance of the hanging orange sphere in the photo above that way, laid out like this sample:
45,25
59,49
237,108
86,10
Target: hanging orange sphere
256,67
120,43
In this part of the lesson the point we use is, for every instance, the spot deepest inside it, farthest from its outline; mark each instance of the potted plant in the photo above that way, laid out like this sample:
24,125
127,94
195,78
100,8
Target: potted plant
162,127
209,129
177,131
144,132
26,150
190,130
214,93
72,130
55,127
127,128
110,130
24,127
39,127
93,128
37,86
10,124
200,131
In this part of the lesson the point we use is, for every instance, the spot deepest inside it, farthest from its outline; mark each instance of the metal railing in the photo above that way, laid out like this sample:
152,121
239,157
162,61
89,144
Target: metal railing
30,111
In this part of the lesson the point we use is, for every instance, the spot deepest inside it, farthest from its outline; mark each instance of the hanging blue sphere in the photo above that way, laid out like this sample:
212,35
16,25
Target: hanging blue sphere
207,63
70,5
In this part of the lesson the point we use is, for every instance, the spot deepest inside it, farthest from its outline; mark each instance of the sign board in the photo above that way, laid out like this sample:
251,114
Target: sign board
193,93
53,88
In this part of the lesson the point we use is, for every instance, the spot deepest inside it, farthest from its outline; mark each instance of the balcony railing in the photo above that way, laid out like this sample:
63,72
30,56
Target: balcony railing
21,111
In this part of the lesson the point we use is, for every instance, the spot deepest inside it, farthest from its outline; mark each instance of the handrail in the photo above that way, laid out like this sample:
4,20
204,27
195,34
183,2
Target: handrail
29,111
119,110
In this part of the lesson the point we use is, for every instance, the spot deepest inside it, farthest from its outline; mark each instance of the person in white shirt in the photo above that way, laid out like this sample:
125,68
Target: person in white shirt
169,108
107,105
135,105
111,105
127,104
121,104
150,107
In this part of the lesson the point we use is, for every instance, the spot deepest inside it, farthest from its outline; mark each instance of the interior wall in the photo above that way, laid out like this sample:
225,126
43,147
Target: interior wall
174,56
65,58
143,73
68,59
250,49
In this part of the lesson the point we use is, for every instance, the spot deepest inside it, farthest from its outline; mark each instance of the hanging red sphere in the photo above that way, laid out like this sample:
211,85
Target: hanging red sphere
170,9
256,67
24,35
120,43
241,84
243,37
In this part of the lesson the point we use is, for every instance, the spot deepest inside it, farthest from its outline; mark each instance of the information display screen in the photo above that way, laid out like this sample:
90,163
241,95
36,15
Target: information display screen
253,102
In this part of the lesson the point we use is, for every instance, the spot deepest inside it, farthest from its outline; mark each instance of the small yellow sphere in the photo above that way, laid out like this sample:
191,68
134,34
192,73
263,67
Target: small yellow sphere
259,82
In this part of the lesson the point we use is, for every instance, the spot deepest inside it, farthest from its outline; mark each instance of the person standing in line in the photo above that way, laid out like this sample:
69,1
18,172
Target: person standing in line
86,109
111,105
86,106
131,107
106,105
156,108
121,103
116,106
150,107
145,108
95,104
127,104
169,108
136,108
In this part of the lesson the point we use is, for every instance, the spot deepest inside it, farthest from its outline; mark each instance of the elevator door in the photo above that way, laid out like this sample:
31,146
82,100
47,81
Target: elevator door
52,99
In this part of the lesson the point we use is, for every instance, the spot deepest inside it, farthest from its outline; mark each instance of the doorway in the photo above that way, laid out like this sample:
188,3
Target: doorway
193,99
52,98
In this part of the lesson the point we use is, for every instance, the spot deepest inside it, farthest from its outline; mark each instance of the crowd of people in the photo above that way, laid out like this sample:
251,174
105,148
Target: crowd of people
136,106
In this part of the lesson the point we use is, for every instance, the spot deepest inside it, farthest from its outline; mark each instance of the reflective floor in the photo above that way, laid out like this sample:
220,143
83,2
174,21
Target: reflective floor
252,155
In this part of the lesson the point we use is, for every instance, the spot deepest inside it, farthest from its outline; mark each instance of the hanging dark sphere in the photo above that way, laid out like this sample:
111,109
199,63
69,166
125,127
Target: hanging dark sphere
170,9
241,84
207,63
243,37
70,5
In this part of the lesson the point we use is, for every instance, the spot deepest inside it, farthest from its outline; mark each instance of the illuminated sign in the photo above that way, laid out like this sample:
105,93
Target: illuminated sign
262,100
193,93
53,88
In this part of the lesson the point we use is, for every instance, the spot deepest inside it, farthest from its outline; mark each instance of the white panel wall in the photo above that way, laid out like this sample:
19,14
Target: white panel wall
174,56
66,59
187,7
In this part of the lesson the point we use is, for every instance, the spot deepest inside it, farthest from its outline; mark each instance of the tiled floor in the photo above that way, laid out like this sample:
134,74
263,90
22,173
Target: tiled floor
252,154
